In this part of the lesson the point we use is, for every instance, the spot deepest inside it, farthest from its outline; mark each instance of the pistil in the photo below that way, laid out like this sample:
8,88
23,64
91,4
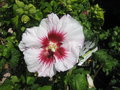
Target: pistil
52,46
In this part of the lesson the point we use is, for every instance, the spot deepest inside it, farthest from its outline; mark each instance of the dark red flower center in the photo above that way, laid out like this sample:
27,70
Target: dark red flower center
52,48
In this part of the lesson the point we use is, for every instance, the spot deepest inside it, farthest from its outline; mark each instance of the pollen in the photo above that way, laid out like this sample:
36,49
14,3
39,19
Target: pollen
52,46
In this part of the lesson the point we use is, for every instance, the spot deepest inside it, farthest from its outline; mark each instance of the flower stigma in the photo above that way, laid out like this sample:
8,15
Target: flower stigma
52,46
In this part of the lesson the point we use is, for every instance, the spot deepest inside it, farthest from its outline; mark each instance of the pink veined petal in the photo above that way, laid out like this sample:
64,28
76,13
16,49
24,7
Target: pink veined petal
32,38
60,53
71,50
66,63
53,36
46,57
72,28
47,61
34,63
51,22
56,36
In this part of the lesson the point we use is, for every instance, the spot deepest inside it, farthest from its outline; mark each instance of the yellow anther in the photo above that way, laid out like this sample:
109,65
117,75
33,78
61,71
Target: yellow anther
52,46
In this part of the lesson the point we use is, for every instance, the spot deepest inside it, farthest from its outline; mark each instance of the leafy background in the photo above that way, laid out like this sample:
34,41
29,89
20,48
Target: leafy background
103,66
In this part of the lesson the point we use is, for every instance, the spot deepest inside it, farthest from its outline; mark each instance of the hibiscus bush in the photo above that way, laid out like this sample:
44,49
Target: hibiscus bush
98,63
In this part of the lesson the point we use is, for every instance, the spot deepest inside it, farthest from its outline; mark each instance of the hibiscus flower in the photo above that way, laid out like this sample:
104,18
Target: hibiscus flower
52,46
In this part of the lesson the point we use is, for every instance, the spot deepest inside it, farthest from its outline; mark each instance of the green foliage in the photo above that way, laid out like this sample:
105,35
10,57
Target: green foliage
6,87
45,88
104,35
15,20
25,19
14,79
78,82
14,60
19,3
76,79
108,62
97,17
115,38
2,63
30,80
21,14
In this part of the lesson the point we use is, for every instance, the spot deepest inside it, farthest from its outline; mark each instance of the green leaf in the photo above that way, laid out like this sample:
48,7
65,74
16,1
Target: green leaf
20,11
5,6
19,3
23,29
45,88
2,63
108,62
15,7
15,21
22,78
32,8
15,57
25,19
30,80
14,79
88,34
35,86
79,82
77,79
6,87
6,52
38,16
104,35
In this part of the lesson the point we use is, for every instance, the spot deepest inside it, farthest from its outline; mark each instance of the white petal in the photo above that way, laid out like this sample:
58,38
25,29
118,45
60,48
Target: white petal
90,81
31,38
65,63
53,19
87,46
73,47
22,46
31,59
46,70
87,55
72,28
34,64
50,22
